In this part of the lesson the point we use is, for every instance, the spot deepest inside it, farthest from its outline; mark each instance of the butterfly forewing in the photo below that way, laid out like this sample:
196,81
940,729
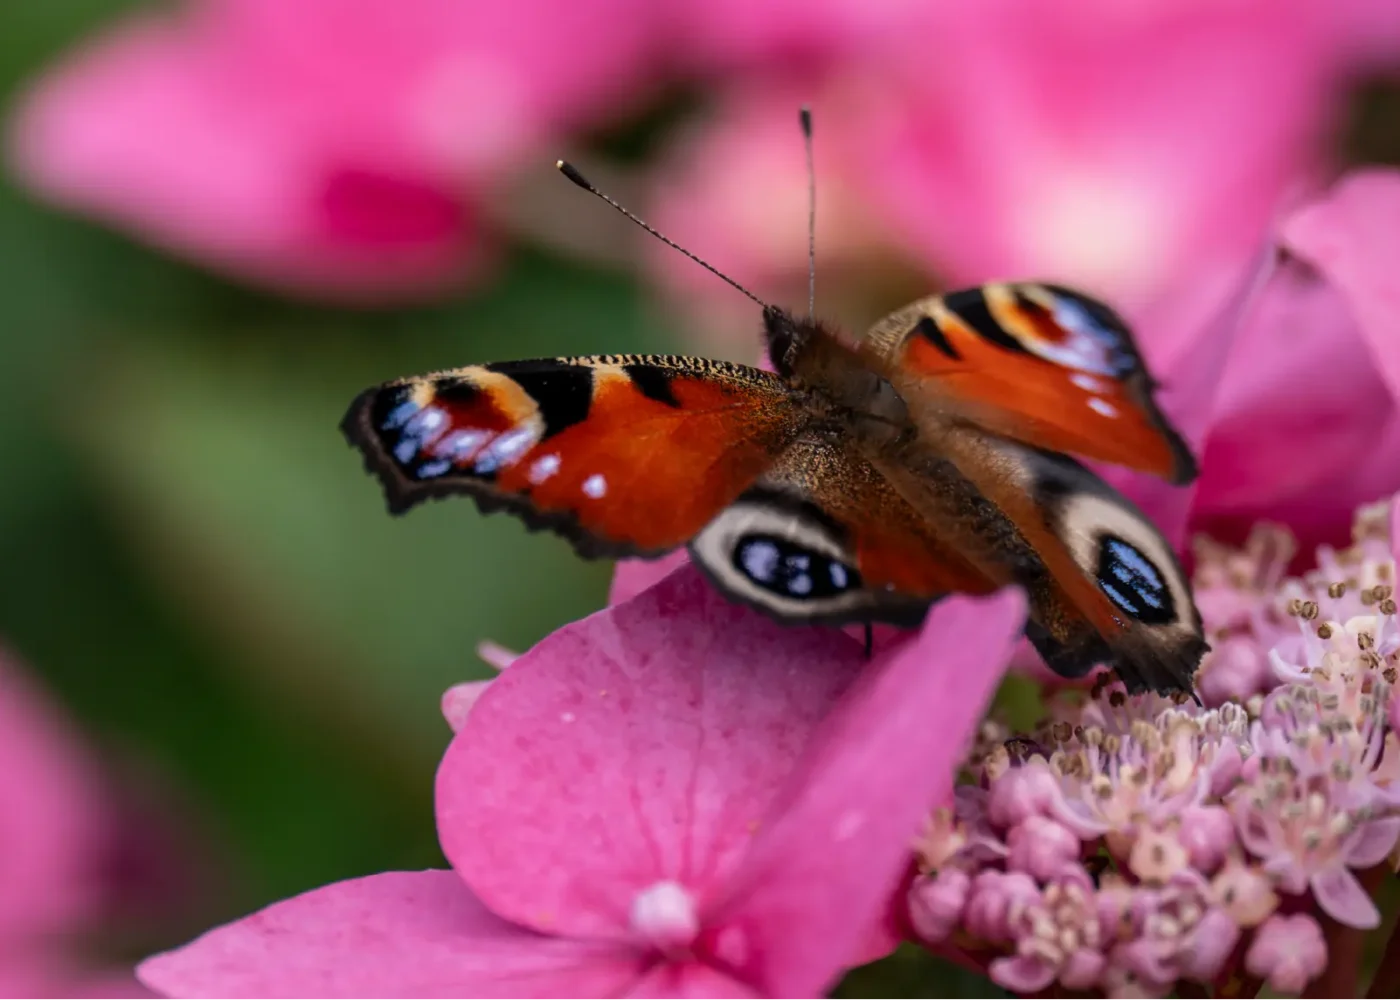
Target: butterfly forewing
1041,364
623,454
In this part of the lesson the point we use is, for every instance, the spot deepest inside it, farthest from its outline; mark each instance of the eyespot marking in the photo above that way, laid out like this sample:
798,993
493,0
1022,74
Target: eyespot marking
790,570
1133,582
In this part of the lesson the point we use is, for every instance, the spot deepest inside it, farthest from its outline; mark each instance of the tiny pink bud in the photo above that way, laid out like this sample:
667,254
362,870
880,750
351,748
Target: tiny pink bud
1212,942
1020,792
457,702
1287,952
1041,847
1234,671
989,902
1207,833
1156,856
936,904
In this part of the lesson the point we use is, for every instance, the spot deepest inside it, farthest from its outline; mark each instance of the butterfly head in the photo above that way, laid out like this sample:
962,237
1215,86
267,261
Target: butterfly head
788,338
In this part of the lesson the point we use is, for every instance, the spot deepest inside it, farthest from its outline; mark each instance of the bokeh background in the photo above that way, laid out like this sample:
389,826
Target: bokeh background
221,219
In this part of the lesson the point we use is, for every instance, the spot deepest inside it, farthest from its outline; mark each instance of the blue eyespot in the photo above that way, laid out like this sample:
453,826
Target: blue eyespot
791,570
1134,583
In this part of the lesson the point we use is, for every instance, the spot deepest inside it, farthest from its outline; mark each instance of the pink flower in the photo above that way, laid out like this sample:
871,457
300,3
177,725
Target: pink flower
1309,840
1057,938
1207,833
337,148
733,188
936,904
1041,847
672,797
1306,424
1287,953
994,897
54,827
791,34
1140,152
50,820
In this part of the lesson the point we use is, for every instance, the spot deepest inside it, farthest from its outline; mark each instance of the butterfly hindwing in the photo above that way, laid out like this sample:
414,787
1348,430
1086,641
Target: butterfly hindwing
822,537
1041,364
622,454
1141,602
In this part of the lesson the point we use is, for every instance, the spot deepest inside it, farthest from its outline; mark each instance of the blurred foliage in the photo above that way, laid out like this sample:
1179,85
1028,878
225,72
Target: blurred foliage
197,564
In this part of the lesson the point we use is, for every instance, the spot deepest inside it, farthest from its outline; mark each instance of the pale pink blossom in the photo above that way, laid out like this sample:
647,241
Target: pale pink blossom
1056,937
995,895
1041,847
1207,833
1287,952
341,148
674,796
936,905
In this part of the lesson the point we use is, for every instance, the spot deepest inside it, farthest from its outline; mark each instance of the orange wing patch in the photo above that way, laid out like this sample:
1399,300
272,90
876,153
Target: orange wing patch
1040,364
623,454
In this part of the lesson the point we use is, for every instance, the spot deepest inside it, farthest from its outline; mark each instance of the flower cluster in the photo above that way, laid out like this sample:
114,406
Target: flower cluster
1128,843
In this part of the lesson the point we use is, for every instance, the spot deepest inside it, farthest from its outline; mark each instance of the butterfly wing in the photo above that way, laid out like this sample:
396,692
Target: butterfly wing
1104,585
822,537
1040,364
622,454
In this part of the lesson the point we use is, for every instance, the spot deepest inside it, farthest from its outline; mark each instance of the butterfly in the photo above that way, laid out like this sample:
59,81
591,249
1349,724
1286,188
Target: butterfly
857,482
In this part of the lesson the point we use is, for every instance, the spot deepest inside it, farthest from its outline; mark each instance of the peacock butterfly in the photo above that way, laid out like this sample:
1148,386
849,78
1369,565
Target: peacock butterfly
857,482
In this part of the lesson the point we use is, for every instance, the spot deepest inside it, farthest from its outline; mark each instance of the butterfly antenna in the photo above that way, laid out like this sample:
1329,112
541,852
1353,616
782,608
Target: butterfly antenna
571,172
805,118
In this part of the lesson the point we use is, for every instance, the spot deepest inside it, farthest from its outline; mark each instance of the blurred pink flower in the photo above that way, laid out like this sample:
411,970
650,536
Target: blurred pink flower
672,797
732,187
51,818
786,35
53,828
342,147
1306,425
1138,151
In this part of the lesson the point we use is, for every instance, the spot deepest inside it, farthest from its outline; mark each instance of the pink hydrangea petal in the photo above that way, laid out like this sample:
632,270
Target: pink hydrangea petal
1377,839
51,813
632,576
822,871
1300,383
1343,899
1191,385
457,702
399,934
689,980
642,744
1351,236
